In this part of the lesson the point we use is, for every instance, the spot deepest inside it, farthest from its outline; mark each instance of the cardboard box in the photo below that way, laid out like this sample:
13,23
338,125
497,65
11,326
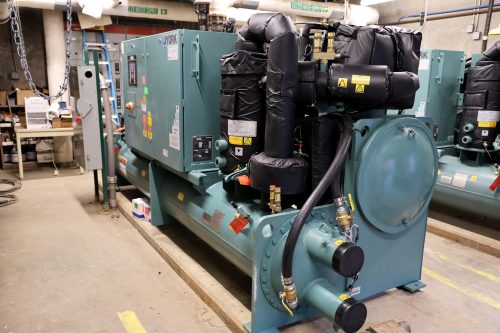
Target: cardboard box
62,123
22,118
21,94
3,97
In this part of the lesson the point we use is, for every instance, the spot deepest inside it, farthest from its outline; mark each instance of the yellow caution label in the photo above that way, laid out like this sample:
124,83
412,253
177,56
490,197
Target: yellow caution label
247,141
487,124
235,140
360,89
180,196
344,297
339,242
143,173
473,178
361,79
342,82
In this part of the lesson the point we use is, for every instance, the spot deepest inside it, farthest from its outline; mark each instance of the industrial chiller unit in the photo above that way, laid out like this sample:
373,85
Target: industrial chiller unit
275,148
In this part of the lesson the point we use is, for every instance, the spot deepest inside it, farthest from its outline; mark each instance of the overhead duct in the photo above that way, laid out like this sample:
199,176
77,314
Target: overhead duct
241,10
159,10
357,15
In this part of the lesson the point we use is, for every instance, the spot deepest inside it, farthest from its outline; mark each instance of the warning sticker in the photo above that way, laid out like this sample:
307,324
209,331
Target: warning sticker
473,178
238,151
235,140
238,224
360,89
174,135
173,52
445,180
487,124
361,79
342,82
339,242
180,196
460,180
344,297
355,291
488,116
246,128
247,141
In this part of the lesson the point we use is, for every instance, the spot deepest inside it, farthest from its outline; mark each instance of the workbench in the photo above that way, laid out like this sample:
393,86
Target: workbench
22,133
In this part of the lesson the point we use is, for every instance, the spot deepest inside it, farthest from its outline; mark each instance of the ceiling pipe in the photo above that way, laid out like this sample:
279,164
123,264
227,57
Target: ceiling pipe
443,17
487,25
150,9
448,11
358,15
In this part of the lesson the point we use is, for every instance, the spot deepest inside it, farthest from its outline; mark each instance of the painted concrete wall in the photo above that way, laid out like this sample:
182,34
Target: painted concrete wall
31,19
448,34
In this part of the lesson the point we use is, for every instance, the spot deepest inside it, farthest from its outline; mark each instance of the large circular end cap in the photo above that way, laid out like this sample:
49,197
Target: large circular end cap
396,176
348,259
350,315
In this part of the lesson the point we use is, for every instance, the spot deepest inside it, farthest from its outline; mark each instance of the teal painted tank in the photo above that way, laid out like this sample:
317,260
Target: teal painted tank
464,185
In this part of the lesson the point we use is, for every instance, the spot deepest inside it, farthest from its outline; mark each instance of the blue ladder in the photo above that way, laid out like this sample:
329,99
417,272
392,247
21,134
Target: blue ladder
101,47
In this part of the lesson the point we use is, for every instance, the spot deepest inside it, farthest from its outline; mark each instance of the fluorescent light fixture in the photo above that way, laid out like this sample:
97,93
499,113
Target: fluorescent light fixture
373,2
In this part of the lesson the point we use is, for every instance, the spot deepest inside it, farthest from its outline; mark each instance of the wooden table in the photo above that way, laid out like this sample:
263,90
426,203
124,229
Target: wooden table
22,133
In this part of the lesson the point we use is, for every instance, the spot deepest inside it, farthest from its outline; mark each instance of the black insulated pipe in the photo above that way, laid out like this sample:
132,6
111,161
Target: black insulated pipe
278,30
332,172
492,54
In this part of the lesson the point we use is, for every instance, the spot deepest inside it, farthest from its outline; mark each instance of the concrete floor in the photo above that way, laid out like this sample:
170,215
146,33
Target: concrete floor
64,267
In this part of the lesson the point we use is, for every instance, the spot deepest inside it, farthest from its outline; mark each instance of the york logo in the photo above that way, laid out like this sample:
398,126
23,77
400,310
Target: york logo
170,40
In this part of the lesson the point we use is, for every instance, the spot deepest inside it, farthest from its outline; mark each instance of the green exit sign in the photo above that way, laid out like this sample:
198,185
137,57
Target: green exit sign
147,10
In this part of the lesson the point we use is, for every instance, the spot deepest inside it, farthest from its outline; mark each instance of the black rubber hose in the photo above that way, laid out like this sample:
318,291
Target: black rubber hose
333,171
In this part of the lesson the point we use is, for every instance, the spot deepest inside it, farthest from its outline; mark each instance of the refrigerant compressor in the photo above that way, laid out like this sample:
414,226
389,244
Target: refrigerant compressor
275,149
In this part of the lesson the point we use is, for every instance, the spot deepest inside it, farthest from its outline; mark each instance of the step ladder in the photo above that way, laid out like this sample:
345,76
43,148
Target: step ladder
103,49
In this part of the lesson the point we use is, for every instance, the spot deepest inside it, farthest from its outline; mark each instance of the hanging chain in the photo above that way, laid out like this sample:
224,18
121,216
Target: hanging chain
15,24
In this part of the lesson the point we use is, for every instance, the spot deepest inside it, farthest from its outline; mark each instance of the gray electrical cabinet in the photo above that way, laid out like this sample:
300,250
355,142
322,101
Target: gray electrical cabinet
88,146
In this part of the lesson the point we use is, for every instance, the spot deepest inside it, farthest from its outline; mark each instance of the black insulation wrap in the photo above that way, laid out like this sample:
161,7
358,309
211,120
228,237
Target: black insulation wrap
332,172
493,53
395,47
480,120
374,85
278,30
242,105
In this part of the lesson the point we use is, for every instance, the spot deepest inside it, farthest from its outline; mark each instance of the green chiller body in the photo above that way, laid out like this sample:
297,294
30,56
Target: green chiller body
172,117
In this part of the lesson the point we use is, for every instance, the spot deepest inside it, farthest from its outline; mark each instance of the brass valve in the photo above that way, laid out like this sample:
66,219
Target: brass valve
275,198
289,294
343,215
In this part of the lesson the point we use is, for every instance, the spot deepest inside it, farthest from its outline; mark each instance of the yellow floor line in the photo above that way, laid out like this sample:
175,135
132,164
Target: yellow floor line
130,322
464,290
484,274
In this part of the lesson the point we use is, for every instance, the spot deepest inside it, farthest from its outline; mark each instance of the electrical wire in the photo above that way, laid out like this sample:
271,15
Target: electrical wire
425,16
6,196
15,185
